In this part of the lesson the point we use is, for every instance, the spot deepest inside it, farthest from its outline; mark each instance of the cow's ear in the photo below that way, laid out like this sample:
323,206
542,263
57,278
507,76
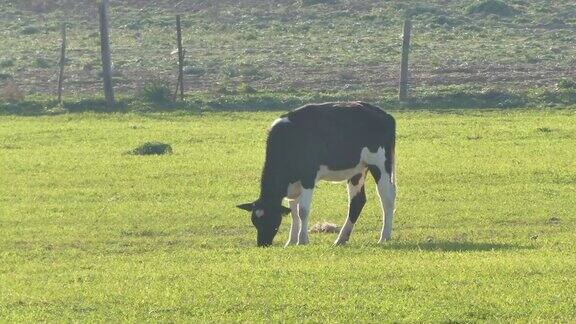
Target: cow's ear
284,210
246,207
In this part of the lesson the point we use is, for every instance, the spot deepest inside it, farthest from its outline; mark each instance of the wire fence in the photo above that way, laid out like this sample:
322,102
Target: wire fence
254,59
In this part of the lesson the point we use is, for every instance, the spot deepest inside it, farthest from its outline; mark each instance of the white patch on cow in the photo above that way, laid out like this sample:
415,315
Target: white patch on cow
353,190
294,190
280,121
366,158
324,173
304,205
387,194
378,158
295,226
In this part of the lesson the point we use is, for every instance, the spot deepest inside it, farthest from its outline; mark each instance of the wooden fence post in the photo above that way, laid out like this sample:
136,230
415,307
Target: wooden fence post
180,85
62,64
404,74
106,57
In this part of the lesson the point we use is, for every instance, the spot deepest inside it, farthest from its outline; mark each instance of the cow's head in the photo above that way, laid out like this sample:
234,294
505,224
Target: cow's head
266,219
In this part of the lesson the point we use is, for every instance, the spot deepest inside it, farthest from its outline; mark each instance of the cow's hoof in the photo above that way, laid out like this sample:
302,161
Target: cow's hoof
340,242
383,241
289,243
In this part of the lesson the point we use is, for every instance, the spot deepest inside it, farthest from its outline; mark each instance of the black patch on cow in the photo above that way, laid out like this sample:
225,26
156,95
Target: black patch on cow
355,180
356,204
375,172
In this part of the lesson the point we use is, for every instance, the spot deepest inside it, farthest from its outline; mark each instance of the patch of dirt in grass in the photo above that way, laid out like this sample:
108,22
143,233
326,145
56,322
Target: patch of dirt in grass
324,227
320,78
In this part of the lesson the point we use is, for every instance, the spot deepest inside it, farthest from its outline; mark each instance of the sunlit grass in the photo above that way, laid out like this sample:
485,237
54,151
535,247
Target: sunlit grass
484,227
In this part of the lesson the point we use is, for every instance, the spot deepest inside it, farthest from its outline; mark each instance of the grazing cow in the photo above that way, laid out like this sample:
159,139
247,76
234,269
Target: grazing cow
329,141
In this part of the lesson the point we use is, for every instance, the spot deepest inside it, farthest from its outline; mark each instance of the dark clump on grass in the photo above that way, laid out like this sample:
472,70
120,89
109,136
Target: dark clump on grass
194,70
43,63
158,92
494,7
152,148
30,30
545,129
7,62
568,84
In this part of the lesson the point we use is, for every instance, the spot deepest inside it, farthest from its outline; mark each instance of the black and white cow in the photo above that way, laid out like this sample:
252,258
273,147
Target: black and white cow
329,141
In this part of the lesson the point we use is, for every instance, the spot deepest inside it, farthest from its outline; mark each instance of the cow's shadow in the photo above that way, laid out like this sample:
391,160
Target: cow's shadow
453,246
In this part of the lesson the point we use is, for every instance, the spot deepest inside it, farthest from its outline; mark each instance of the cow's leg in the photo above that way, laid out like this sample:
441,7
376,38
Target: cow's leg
295,226
304,212
387,194
356,201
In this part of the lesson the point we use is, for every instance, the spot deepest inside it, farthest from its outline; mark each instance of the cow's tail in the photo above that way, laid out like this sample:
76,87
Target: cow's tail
391,154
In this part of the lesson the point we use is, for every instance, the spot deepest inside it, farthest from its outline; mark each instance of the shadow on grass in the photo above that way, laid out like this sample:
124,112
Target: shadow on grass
445,99
44,107
448,246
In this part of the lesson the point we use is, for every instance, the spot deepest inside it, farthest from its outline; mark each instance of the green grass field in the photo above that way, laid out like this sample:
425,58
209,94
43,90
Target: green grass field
484,227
